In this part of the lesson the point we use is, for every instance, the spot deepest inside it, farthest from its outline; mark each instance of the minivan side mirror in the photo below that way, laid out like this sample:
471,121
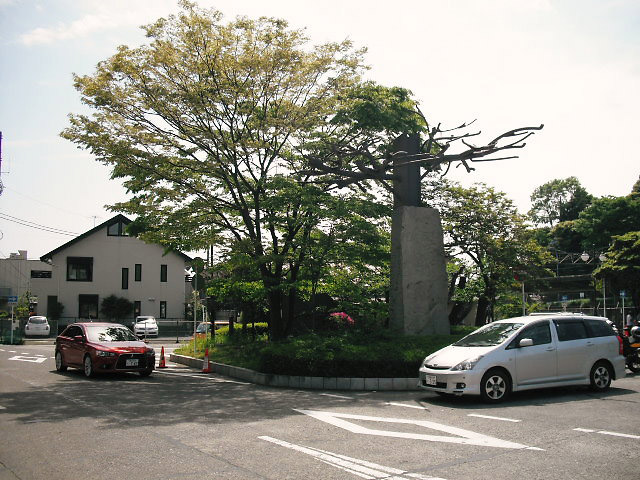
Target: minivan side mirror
78,338
526,342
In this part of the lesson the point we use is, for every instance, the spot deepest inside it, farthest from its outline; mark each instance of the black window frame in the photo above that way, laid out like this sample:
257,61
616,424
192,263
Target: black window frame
77,262
164,272
125,278
137,275
40,273
120,230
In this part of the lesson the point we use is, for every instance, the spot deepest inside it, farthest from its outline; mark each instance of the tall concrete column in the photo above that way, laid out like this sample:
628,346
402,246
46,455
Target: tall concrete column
418,272
418,297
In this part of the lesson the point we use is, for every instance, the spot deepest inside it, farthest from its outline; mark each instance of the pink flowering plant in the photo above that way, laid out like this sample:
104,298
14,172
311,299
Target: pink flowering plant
340,321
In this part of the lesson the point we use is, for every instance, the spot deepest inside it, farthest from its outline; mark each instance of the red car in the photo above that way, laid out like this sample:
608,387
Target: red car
103,347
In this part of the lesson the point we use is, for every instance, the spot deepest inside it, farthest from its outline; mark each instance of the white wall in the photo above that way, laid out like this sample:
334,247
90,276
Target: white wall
110,254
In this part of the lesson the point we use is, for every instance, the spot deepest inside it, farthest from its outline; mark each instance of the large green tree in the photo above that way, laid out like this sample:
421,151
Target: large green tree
559,200
206,123
484,227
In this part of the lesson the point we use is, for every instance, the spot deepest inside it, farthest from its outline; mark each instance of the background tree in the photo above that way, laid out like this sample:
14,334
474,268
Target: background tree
116,308
607,217
621,268
558,201
483,225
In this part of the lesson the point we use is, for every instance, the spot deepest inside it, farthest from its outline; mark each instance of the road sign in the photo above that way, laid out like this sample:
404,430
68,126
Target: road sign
12,299
623,293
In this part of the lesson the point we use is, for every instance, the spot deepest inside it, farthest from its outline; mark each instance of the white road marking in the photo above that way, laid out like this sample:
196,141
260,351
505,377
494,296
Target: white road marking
202,376
489,417
407,406
605,432
465,437
2,408
360,468
28,359
337,396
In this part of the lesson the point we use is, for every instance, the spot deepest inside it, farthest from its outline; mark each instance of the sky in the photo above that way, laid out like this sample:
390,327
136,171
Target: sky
571,65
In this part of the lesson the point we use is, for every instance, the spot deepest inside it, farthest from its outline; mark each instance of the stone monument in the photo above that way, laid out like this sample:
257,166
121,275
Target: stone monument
418,297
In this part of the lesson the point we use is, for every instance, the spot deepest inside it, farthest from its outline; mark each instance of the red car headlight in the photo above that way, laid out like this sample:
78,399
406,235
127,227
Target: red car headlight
104,353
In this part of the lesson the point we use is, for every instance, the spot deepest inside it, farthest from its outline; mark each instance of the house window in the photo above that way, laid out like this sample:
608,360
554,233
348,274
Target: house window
88,306
40,273
163,309
163,273
125,278
138,272
117,229
80,269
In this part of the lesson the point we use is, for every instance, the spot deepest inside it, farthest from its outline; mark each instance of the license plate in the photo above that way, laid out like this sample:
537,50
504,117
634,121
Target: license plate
430,380
132,362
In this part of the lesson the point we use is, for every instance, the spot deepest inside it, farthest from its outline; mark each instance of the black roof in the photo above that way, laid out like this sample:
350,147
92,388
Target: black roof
112,220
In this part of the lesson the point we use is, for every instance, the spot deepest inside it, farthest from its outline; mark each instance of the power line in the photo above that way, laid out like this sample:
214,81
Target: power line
37,226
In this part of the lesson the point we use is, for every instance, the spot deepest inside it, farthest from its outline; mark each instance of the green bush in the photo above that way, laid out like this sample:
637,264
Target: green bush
351,355
347,354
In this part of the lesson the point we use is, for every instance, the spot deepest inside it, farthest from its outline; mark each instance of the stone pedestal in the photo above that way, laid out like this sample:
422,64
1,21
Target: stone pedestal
418,272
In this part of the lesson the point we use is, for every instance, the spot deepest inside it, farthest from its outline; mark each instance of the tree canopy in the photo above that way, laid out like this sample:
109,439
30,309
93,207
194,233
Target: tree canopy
483,226
558,201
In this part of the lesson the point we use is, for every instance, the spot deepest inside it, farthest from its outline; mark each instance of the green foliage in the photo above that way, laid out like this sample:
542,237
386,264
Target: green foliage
116,308
606,218
621,268
356,355
482,226
23,309
558,201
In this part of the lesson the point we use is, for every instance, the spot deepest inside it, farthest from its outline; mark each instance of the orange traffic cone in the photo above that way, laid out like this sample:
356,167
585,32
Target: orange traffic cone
206,366
162,363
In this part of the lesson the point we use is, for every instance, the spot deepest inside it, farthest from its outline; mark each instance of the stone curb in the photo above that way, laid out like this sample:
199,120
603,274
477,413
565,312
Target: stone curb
312,383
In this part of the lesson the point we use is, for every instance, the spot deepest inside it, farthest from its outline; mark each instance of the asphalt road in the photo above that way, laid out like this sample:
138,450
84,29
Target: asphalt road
182,424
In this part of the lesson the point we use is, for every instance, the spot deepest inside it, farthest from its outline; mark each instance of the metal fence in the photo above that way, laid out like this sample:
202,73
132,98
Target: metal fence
177,328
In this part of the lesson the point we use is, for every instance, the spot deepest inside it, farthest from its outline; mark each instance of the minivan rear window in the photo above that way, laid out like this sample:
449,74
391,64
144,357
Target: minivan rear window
599,328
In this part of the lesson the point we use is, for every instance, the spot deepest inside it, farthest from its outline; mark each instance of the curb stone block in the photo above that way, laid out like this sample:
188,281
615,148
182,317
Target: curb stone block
330,383
356,384
385,383
343,383
371,384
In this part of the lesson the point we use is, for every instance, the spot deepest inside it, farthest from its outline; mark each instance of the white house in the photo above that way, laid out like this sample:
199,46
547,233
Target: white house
106,261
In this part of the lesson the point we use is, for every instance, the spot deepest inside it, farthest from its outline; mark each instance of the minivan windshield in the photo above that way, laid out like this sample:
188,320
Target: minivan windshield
490,335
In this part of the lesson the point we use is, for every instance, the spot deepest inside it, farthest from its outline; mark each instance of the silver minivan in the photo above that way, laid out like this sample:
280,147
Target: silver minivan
524,353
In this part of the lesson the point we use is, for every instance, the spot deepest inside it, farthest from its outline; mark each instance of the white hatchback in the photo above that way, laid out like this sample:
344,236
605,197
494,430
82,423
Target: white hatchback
524,353
145,326
37,325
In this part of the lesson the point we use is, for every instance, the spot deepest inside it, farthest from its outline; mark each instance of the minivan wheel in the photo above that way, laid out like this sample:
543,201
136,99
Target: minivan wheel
600,377
88,366
60,366
495,386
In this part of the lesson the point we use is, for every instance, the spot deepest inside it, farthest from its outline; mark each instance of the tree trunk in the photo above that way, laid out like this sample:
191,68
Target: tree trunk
483,311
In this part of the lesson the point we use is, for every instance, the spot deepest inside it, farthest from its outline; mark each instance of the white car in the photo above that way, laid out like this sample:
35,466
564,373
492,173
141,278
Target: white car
37,325
524,353
145,326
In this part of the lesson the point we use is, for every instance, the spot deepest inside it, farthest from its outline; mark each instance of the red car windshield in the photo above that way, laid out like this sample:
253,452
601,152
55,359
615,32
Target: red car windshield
110,334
